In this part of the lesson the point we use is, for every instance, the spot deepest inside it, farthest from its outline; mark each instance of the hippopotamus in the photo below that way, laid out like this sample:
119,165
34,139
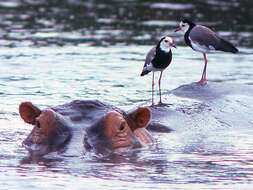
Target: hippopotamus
102,126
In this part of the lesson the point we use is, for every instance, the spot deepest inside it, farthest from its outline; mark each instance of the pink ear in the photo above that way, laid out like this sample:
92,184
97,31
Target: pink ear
28,112
141,117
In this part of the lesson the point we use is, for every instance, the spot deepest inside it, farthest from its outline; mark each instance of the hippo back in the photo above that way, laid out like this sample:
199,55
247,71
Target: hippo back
83,112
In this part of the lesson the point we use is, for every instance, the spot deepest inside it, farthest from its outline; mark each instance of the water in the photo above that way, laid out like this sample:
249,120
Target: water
54,58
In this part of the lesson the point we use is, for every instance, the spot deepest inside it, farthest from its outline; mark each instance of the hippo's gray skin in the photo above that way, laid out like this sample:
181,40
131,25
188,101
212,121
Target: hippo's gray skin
103,126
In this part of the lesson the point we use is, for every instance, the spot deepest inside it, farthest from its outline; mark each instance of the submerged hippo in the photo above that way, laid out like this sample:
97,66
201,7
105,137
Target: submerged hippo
102,127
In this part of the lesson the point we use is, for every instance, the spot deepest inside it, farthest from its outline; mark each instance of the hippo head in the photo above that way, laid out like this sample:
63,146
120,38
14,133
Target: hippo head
120,130
49,132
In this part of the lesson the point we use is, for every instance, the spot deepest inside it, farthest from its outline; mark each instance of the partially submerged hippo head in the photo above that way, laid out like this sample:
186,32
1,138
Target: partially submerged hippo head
50,131
118,130
114,130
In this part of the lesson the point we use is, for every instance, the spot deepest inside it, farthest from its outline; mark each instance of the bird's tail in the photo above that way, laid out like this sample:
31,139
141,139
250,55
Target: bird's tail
145,71
227,46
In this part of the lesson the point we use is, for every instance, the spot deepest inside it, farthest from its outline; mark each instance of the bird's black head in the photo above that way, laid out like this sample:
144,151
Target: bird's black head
165,44
185,25
191,24
162,38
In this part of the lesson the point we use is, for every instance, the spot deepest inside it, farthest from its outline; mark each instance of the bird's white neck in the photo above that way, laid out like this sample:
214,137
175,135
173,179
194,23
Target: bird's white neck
164,48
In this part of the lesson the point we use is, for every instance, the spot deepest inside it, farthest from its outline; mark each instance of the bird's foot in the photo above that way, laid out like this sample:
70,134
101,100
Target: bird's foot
152,106
202,82
162,104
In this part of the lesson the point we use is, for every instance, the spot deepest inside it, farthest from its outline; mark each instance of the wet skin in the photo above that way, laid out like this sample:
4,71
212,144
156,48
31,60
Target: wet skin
105,126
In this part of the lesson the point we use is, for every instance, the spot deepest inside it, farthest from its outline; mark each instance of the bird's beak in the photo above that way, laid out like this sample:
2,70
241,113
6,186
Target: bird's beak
178,29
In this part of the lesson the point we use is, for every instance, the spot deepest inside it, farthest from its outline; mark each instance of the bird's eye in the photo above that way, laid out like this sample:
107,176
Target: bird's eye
166,41
183,25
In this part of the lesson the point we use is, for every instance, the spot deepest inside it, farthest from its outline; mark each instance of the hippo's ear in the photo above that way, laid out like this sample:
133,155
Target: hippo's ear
29,112
141,117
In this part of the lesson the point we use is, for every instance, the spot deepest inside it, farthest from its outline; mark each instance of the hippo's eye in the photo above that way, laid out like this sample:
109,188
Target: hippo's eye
37,123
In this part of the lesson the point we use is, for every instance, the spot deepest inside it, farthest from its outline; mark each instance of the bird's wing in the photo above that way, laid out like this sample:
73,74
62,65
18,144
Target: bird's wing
150,56
147,65
204,36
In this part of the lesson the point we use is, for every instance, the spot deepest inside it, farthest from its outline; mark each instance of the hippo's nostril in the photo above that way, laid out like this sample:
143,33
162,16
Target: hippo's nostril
122,127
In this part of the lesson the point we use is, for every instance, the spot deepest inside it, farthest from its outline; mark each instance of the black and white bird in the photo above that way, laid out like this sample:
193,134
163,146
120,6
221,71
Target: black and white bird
203,39
158,59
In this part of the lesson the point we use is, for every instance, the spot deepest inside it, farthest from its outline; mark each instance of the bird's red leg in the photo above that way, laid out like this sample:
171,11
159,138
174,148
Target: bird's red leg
153,85
159,82
203,79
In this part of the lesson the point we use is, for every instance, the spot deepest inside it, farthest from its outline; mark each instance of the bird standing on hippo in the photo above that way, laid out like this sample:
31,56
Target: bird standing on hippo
105,127
158,59
203,39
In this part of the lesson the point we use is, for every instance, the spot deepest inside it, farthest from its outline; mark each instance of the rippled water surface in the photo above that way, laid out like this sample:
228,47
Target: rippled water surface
53,53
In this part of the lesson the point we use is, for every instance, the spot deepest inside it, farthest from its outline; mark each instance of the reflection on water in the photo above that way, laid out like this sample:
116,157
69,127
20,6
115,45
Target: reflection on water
48,57
61,22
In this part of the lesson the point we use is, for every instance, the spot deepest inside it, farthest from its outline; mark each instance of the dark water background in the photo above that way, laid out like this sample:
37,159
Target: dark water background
63,22
53,52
